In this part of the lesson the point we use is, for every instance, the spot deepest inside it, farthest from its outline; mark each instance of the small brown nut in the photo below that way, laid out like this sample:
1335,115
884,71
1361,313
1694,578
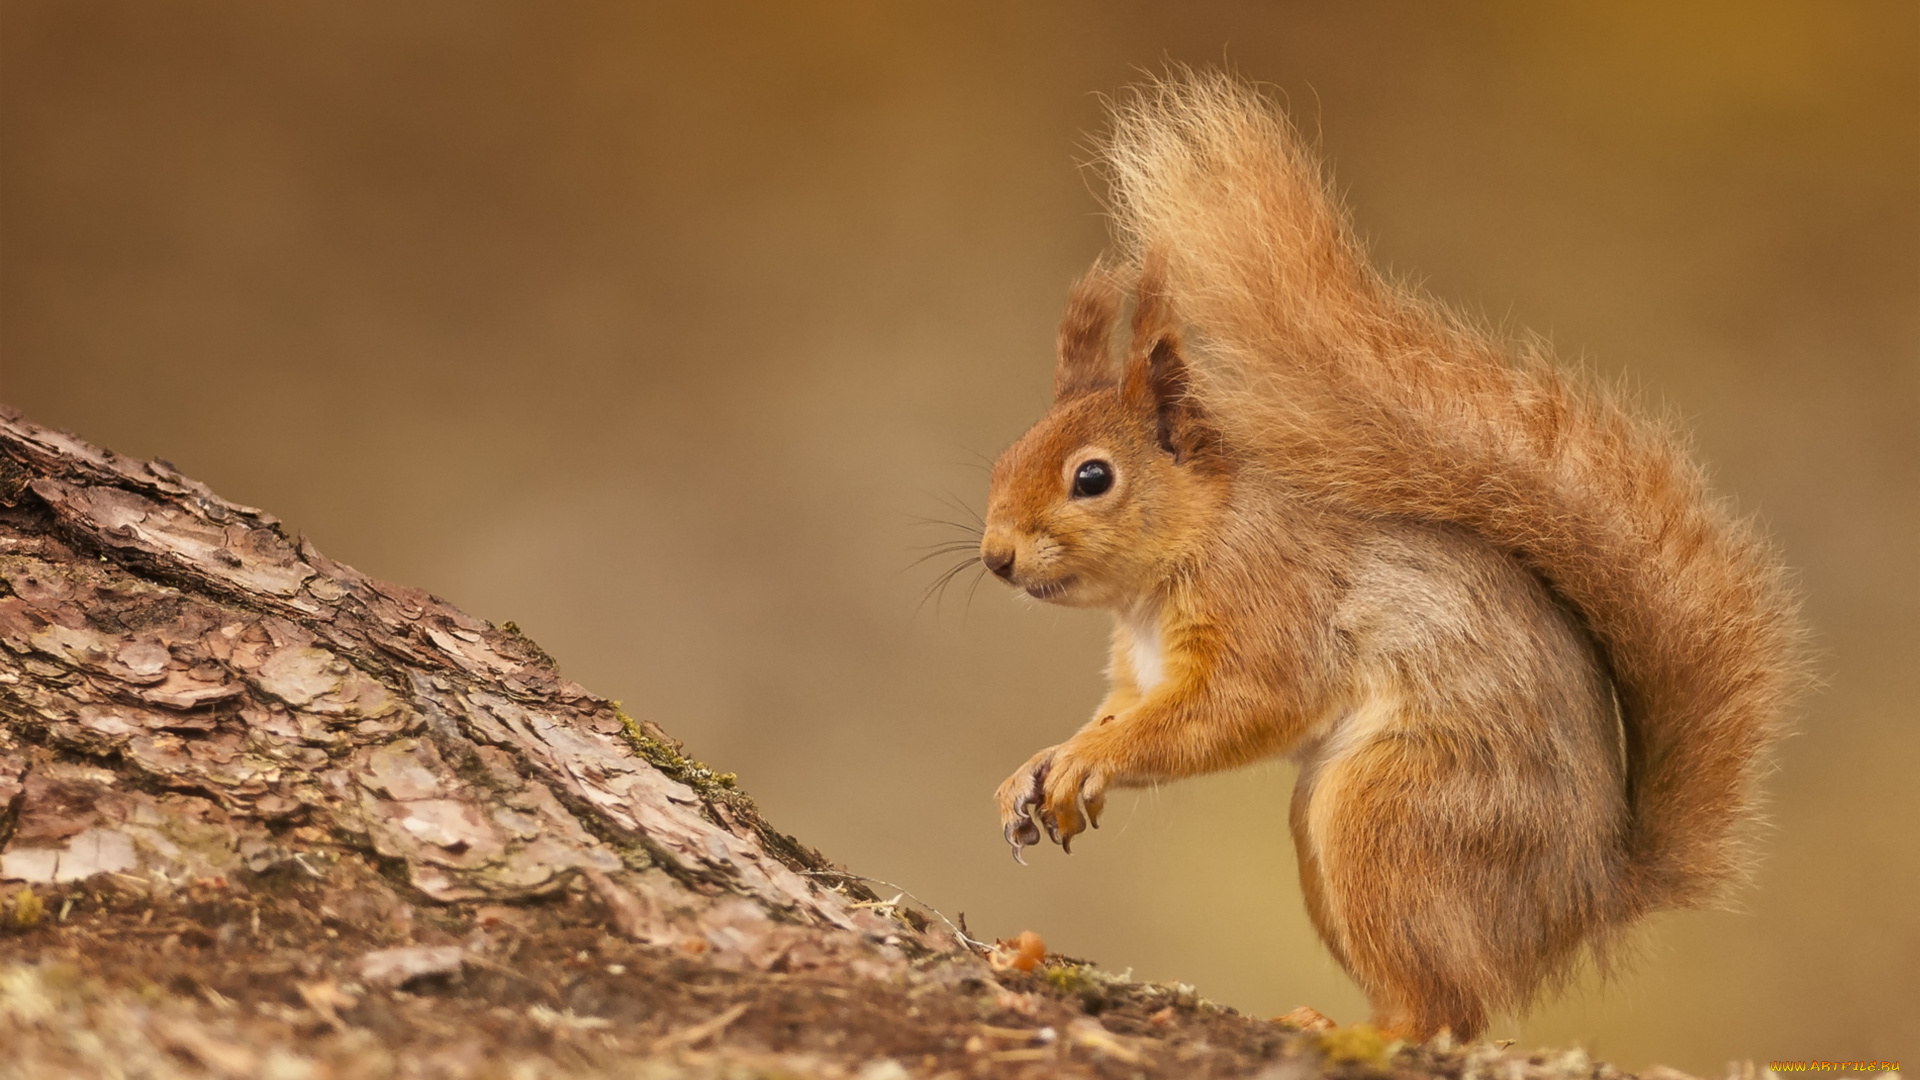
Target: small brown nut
1305,1018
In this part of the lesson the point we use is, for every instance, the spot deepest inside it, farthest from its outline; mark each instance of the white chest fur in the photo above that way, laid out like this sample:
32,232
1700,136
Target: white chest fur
1144,654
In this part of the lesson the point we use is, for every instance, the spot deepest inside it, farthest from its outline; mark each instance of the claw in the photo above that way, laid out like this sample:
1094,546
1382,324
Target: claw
1030,820
1080,807
1043,821
1016,833
1021,834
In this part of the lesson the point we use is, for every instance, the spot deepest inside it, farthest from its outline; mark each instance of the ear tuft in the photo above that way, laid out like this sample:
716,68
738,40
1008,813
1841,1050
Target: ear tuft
1155,380
1085,362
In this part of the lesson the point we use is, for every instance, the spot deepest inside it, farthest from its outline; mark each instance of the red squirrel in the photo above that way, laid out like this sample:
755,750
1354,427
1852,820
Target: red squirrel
1529,666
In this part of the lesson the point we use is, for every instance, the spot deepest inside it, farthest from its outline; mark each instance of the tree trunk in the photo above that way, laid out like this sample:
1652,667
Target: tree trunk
262,815
189,694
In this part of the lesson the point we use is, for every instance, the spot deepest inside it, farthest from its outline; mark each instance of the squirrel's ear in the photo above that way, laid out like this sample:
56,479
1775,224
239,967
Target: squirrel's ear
1156,381
1085,363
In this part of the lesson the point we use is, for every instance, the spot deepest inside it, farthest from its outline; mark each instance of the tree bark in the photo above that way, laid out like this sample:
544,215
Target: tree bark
189,693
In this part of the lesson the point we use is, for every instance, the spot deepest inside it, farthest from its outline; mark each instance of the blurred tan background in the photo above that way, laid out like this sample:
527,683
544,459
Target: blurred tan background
653,329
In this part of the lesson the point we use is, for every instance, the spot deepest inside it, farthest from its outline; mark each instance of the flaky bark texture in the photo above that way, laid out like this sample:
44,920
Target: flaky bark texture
180,679
261,815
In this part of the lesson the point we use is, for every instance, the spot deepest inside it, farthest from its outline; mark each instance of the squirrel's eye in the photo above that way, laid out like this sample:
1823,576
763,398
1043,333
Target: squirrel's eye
1092,478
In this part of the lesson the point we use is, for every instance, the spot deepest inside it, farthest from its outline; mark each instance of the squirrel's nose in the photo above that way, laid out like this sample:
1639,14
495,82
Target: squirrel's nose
1000,561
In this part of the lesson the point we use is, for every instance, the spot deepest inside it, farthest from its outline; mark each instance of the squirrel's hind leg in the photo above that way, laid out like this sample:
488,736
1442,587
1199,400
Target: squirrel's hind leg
1379,902
1438,867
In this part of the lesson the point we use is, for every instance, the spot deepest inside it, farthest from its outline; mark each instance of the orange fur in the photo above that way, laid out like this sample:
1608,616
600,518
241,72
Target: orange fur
1529,665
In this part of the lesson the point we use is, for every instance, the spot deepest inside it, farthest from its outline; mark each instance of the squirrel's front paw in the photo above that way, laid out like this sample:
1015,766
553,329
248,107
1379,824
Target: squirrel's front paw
1057,790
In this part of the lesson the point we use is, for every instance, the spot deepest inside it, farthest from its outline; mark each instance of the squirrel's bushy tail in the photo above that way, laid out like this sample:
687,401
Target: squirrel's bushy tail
1348,387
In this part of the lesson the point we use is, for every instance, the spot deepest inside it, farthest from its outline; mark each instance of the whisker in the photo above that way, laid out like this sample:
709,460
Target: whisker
937,591
951,548
927,522
957,503
948,545
980,461
977,579
938,583
935,594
